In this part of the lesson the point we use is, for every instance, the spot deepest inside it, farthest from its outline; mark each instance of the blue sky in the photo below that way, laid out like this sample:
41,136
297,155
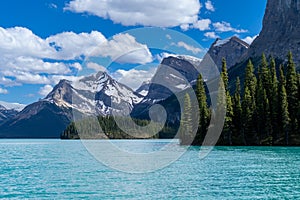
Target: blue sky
44,41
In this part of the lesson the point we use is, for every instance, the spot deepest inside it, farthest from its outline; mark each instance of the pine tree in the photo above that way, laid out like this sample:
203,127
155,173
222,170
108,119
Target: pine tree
274,100
249,106
221,108
203,111
291,90
238,139
298,110
283,113
259,111
262,112
227,131
265,75
186,126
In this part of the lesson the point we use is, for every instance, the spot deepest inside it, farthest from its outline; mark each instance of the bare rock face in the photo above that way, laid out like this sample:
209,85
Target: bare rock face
280,32
232,49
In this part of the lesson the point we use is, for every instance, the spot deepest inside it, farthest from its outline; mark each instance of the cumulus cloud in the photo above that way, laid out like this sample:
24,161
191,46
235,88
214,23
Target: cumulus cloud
56,78
3,91
27,77
19,41
45,90
226,27
70,45
142,12
250,39
28,59
202,24
211,35
124,48
188,47
96,67
209,6
185,27
134,77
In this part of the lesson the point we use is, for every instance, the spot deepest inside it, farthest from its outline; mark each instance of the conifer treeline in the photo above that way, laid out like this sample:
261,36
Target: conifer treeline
104,127
267,112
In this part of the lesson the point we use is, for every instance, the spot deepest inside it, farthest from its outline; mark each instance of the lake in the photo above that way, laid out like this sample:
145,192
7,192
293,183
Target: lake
57,169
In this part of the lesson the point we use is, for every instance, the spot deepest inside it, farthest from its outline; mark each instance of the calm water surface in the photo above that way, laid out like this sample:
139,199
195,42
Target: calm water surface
55,169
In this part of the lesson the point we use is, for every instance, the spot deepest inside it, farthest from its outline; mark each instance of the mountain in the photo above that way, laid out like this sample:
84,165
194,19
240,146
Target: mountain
280,32
9,110
97,94
6,114
144,88
174,74
12,106
232,49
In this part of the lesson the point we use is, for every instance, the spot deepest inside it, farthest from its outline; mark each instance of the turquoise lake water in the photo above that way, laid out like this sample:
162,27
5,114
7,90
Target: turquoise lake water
56,169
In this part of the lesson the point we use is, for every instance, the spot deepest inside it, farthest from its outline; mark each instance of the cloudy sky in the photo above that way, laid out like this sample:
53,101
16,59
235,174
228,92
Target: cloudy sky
44,41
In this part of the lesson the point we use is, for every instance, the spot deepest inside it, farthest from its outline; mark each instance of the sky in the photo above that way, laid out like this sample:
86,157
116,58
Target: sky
44,41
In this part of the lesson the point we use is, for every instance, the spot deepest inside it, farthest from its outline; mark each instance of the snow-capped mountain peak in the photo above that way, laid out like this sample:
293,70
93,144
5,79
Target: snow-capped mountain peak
95,94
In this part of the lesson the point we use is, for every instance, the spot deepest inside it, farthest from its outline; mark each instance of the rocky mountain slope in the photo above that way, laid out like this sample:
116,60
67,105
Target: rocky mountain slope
6,113
280,32
232,49
9,110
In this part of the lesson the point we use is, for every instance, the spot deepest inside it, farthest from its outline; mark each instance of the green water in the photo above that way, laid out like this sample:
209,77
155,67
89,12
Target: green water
55,169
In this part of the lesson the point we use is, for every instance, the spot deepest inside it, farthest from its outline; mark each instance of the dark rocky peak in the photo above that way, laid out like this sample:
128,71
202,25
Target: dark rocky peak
232,49
61,92
280,32
144,88
182,64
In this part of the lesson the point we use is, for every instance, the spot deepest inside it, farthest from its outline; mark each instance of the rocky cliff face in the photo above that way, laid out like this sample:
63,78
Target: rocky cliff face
280,32
232,49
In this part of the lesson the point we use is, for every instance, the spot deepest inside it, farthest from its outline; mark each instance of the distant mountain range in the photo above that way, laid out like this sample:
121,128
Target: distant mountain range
97,94
100,94
9,110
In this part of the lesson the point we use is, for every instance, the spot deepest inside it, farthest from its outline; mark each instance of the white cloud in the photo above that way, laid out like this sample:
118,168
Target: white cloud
250,39
45,90
134,77
185,27
226,27
96,67
22,77
3,91
159,13
202,24
191,48
56,78
211,35
168,37
19,41
7,82
124,48
28,59
70,45
209,6
34,65
77,66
